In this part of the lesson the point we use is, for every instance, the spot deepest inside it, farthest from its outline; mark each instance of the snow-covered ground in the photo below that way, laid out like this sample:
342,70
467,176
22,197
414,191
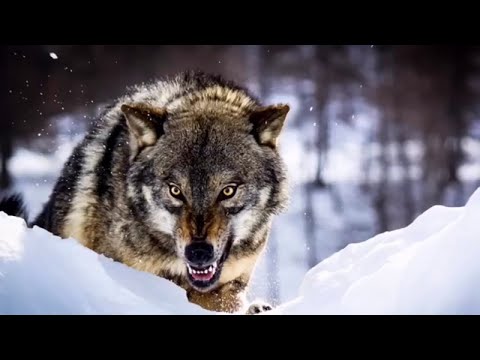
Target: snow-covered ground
429,267
43,274
340,215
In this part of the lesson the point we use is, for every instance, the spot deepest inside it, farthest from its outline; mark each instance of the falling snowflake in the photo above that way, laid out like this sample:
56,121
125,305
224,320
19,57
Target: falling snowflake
53,56
311,108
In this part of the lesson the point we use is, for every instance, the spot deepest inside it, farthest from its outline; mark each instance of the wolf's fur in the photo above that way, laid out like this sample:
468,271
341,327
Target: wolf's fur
199,133
13,205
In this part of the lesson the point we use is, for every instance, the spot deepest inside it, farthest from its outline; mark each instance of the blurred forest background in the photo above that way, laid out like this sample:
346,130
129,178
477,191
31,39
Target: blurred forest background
376,134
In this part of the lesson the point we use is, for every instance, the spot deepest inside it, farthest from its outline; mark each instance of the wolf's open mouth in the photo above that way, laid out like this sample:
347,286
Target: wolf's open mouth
203,274
204,277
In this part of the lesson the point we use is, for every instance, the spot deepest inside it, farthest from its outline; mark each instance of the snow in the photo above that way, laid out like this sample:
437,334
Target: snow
53,56
429,267
342,214
43,274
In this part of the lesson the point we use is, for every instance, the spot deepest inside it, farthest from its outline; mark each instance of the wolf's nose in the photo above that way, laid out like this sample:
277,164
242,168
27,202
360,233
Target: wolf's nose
199,253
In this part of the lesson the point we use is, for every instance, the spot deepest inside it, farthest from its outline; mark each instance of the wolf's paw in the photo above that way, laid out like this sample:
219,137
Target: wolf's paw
258,307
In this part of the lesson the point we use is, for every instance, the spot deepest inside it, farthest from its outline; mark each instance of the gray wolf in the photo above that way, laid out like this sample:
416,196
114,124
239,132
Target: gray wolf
180,177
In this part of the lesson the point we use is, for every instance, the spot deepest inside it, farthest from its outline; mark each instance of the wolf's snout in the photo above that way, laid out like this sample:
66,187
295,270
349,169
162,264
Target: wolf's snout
199,253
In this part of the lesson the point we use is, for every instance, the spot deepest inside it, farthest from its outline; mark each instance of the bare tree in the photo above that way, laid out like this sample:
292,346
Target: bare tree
259,62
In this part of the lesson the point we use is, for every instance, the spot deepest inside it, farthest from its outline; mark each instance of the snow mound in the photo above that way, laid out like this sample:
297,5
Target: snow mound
43,274
430,267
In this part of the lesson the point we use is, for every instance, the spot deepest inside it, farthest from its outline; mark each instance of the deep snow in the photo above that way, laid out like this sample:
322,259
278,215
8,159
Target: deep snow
43,274
339,215
429,267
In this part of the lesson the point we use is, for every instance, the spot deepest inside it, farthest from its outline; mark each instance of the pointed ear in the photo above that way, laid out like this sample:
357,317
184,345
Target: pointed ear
145,124
268,123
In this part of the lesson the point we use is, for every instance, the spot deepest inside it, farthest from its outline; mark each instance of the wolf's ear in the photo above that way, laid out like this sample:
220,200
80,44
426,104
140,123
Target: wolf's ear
268,123
145,124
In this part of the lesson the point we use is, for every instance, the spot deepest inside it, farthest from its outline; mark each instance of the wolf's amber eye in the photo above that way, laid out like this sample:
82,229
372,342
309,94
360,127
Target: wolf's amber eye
228,192
175,191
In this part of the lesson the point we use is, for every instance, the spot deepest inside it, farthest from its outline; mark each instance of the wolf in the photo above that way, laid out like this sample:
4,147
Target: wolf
180,177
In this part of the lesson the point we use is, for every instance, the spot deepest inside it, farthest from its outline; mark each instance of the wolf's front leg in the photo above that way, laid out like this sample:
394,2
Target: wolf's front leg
228,297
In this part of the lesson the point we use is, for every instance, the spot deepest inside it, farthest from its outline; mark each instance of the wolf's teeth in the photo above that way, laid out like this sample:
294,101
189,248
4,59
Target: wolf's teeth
210,269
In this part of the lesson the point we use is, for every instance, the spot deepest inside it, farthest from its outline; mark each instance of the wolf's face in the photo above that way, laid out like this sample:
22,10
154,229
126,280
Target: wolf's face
206,181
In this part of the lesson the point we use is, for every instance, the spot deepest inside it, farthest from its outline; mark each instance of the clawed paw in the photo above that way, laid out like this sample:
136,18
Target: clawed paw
257,308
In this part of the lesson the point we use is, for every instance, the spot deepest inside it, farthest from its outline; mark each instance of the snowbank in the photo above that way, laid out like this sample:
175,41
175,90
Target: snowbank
429,267
43,274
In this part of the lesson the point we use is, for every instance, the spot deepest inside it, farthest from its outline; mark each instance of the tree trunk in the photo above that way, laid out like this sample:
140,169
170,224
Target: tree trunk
380,200
457,120
258,59
310,230
407,190
321,74
322,145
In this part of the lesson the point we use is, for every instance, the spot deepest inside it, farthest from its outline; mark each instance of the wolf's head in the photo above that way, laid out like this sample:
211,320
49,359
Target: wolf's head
207,177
